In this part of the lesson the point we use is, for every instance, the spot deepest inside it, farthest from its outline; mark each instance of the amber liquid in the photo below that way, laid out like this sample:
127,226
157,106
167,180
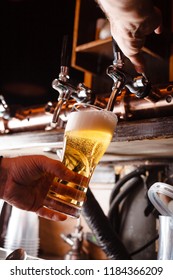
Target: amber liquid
83,149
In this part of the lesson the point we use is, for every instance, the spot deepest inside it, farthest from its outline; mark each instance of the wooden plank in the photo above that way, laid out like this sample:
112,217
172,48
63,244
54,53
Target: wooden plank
145,129
158,128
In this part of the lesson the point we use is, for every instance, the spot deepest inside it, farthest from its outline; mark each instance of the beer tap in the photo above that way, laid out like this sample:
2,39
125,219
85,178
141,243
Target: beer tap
75,240
139,85
4,108
66,87
118,76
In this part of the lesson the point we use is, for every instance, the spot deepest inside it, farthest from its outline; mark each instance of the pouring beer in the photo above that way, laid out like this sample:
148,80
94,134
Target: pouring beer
88,133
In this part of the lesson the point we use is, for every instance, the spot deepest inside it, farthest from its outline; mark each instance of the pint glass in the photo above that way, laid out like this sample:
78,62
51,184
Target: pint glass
88,133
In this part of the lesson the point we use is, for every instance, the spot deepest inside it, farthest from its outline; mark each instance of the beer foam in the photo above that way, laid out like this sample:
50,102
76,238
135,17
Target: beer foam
92,120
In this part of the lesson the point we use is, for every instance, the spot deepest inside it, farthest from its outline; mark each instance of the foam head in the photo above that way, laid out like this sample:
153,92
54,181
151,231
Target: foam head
92,120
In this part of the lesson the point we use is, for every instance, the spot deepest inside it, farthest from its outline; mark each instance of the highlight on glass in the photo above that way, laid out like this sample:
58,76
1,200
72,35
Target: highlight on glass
88,133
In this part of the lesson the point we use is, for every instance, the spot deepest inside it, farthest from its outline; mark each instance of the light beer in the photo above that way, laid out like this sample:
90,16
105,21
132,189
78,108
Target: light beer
87,136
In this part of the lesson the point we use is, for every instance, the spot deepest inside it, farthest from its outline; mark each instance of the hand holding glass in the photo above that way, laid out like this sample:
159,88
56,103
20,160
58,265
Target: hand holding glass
88,133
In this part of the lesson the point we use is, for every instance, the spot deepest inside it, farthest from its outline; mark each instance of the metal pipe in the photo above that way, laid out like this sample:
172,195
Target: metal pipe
127,107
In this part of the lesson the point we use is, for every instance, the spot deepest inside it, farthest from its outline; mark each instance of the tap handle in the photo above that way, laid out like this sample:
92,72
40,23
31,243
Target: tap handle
64,69
118,55
65,52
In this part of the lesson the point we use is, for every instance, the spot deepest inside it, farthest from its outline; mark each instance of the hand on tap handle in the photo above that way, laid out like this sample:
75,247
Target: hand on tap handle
131,21
139,85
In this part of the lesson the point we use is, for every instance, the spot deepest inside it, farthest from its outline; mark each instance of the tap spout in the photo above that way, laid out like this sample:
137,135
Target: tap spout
119,82
118,76
57,111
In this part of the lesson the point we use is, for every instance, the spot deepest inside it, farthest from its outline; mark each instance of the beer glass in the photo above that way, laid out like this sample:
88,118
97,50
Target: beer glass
88,133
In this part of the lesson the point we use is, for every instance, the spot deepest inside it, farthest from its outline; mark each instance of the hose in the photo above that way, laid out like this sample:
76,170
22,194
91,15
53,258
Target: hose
113,214
123,180
98,222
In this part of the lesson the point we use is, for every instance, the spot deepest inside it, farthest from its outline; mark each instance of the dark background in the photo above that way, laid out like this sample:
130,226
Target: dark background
31,34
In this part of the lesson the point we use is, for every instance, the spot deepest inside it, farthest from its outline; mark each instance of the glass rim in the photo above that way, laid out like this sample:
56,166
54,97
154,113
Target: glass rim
85,105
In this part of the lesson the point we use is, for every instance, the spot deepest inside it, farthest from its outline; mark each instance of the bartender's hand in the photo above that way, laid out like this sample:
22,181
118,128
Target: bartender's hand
25,180
131,21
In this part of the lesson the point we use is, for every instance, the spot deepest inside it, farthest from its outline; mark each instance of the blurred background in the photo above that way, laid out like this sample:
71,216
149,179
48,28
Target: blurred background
31,34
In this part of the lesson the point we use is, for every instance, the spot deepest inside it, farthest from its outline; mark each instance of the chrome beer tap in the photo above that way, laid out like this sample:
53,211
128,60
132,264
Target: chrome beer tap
139,85
75,240
4,108
67,88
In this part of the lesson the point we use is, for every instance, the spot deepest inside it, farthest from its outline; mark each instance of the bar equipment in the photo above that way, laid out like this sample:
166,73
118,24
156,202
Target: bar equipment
161,195
75,240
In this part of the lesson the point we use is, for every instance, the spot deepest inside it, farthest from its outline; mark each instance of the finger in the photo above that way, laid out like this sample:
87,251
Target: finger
159,26
72,176
58,168
50,214
138,62
72,191
158,30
